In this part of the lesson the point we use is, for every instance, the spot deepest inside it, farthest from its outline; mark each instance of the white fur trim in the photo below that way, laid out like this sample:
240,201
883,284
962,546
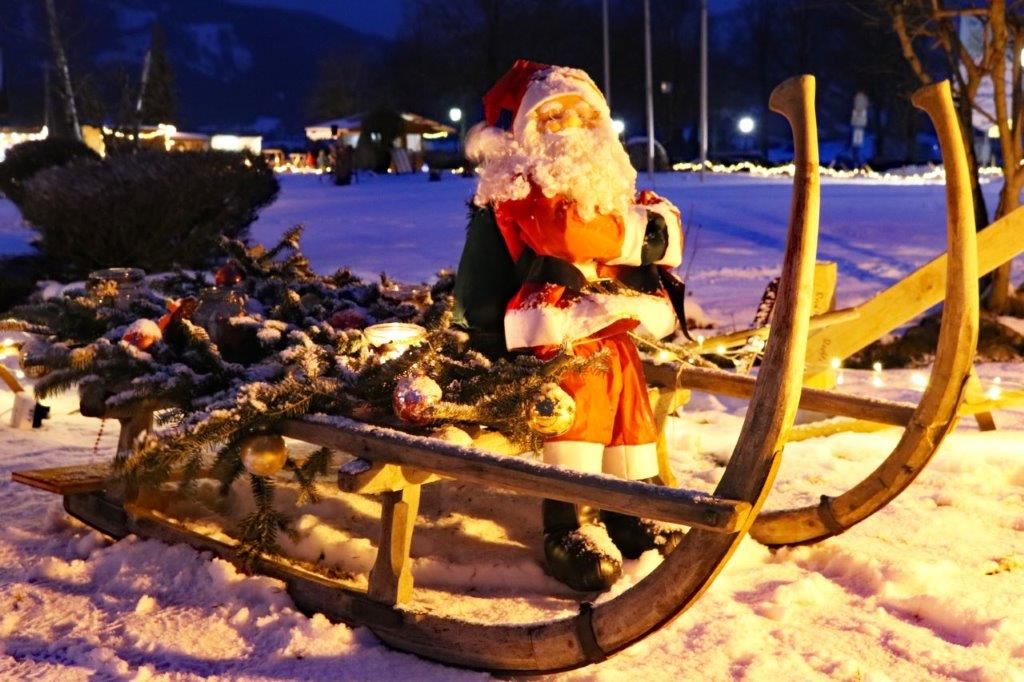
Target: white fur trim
483,141
550,325
631,462
634,224
555,82
674,253
575,454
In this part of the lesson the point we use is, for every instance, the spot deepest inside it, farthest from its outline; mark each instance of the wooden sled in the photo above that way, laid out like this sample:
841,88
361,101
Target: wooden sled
396,466
925,424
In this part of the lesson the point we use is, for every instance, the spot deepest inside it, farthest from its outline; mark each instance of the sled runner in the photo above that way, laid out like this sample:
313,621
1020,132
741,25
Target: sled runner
927,423
395,465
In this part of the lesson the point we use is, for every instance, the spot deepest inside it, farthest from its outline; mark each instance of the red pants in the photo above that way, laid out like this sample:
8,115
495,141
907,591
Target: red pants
614,430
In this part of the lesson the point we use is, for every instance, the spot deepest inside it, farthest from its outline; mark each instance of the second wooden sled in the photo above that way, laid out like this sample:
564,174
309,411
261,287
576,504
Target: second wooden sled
400,464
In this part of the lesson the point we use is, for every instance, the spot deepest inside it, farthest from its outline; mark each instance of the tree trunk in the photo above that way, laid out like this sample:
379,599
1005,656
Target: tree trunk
63,73
998,298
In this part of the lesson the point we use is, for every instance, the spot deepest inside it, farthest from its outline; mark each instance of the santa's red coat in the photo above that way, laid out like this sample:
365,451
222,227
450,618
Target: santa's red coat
544,314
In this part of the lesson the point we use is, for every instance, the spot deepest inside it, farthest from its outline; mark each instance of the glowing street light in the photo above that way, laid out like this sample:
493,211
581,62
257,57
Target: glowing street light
455,114
619,126
746,125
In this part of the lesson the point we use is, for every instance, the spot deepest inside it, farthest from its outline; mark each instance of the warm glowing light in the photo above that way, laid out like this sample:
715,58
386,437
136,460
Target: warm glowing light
10,139
237,143
877,367
746,125
18,373
664,356
877,382
720,349
619,126
993,132
394,334
434,136
836,363
7,343
455,114
700,340
919,380
934,175
994,393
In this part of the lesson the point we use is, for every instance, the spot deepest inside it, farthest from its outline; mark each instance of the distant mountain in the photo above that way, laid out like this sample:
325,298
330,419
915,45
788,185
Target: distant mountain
235,66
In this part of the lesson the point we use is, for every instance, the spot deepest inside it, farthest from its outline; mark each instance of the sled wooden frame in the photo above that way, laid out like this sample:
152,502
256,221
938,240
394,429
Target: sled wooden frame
396,465
925,424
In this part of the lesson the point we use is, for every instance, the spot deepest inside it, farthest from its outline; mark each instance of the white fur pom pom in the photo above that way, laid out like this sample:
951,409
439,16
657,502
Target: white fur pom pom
483,141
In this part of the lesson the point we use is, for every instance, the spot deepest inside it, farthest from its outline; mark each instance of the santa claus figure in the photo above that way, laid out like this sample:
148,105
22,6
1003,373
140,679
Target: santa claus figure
563,253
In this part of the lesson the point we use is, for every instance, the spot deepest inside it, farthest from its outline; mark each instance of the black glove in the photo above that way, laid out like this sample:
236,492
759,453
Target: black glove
655,239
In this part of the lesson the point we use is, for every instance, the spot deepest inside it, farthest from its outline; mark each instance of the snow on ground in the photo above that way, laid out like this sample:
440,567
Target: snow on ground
930,587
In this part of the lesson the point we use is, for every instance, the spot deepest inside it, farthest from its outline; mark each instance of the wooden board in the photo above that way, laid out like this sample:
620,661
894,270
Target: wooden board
925,287
721,382
378,444
65,480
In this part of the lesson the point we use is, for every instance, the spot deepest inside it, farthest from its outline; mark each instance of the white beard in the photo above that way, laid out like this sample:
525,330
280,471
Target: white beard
587,166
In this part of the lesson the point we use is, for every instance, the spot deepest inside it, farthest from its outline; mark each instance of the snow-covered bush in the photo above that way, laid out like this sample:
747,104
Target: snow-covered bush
151,210
28,158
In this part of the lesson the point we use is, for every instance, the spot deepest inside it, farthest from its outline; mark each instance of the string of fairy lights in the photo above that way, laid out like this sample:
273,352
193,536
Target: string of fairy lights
933,174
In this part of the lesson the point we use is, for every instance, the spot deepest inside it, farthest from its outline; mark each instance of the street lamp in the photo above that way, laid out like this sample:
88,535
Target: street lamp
619,126
745,125
455,114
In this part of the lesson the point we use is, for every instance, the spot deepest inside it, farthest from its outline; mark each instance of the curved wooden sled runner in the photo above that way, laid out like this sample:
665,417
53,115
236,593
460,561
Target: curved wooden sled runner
395,465
927,423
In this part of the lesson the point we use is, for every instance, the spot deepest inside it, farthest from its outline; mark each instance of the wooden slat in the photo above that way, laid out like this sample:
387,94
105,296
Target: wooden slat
391,575
379,444
8,378
925,287
373,478
721,382
741,337
82,478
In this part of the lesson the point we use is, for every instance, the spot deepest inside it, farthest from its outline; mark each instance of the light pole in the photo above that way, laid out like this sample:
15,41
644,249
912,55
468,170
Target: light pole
607,54
703,86
650,89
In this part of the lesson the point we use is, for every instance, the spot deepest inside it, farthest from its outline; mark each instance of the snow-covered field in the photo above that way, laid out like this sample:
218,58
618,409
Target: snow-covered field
930,587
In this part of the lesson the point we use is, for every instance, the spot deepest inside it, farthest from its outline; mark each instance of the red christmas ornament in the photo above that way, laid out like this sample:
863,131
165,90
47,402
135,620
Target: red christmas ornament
350,318
178,311
414,396
228,274
142,334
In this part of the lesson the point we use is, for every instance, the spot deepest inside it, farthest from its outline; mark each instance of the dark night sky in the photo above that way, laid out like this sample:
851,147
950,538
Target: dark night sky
379,17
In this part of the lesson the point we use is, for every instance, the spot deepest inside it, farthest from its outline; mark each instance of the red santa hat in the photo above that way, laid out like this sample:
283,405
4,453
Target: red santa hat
528,85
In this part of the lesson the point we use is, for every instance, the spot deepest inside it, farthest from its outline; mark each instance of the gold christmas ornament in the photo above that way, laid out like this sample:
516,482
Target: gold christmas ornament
552,411
452,434
264,455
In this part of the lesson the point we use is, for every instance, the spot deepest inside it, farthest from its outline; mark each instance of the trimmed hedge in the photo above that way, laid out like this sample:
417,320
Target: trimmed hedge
151,210
28,158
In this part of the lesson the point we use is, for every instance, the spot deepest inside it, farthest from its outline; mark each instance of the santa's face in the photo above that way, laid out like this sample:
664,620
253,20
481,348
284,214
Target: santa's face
566,148
565,113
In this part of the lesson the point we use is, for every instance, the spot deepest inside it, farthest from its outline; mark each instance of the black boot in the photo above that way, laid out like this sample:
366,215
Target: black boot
634,536
572,557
